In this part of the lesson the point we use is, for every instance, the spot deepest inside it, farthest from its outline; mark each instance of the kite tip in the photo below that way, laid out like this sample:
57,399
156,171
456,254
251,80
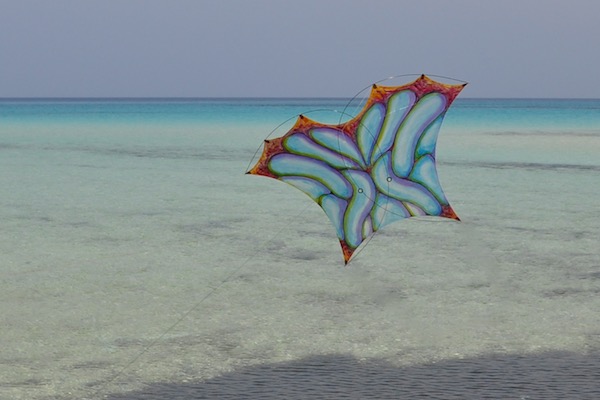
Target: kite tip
448,212
346,251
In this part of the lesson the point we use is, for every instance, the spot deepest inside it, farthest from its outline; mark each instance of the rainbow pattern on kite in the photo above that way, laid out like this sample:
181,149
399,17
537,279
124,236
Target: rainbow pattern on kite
375,169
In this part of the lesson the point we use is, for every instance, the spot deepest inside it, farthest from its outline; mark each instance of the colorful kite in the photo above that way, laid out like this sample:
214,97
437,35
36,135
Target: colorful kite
377,168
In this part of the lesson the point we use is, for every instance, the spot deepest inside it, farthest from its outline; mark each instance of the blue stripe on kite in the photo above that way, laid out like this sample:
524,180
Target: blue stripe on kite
300,144
424,172
403,189
429,138
425,111
335,208
337,141
359,207
398,107
368,130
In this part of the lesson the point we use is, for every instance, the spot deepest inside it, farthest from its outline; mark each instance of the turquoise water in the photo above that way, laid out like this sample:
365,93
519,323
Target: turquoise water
136,255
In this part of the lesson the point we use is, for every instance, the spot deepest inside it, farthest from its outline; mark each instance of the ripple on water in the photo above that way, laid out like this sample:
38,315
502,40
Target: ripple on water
557,375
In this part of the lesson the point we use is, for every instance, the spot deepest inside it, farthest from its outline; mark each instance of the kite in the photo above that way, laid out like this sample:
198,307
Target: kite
377,168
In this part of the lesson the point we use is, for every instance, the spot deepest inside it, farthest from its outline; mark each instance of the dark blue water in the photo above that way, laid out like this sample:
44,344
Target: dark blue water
467,113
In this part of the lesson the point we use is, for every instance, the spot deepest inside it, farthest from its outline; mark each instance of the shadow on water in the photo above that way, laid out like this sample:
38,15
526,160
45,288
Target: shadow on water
557,375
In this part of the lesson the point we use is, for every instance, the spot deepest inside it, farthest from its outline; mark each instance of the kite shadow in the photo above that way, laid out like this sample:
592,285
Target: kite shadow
553,375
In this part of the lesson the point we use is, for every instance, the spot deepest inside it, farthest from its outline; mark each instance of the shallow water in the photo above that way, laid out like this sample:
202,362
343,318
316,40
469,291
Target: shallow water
137,259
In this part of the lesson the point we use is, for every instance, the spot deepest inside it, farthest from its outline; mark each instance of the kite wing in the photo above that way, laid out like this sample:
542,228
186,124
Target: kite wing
377,168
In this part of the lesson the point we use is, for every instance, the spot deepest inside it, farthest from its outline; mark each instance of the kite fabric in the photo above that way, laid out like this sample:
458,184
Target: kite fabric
376,168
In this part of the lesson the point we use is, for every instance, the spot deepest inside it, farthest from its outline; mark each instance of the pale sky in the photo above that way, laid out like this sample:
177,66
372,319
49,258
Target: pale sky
299,48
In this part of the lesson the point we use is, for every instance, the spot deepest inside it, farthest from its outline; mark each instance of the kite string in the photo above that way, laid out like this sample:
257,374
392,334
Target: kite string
245,262
414,74
211,292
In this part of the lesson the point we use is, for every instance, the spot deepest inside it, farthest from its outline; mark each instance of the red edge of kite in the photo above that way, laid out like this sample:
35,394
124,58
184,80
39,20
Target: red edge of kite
379,94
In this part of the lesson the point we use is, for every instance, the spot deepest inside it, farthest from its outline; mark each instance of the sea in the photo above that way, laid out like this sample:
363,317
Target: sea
138,260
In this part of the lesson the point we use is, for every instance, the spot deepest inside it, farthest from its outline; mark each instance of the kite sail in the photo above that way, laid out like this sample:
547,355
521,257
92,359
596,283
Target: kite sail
376,168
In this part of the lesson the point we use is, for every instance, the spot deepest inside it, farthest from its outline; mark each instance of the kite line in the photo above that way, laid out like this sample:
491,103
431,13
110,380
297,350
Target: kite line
355,163
186,314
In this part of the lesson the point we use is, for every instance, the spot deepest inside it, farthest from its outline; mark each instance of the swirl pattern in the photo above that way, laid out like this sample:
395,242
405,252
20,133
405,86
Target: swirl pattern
375,169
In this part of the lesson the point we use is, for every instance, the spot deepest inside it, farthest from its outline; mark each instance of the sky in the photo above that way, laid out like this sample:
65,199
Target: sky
299,48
